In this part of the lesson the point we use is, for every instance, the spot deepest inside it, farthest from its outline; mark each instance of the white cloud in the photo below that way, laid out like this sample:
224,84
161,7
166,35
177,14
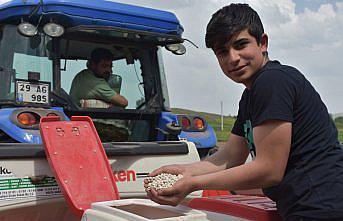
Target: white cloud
274,12
311,40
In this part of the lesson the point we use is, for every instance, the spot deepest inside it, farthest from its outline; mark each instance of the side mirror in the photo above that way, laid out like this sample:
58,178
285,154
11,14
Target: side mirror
178,49
115,82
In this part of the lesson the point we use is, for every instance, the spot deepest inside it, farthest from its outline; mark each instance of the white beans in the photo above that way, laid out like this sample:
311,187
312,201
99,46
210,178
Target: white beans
162,181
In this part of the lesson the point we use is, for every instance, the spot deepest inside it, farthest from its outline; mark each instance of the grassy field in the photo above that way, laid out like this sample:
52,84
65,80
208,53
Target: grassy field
215,121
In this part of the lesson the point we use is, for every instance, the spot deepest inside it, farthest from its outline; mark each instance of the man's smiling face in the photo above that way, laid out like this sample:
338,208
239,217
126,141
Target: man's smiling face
241,57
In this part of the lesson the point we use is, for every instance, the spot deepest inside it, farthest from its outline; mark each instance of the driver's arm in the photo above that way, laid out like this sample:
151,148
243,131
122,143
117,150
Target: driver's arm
106,93
118,100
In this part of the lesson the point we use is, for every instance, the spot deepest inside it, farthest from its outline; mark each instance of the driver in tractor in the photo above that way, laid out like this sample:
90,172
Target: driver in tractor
92,84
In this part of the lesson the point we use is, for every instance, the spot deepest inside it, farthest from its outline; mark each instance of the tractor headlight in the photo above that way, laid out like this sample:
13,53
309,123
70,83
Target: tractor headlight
53,29
27,29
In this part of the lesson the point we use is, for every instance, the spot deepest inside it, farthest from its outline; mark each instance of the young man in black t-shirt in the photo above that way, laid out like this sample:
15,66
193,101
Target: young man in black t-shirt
282,122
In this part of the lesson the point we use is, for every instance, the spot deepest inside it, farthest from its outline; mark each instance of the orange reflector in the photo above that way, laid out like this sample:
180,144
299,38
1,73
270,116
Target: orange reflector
186,123
198,123
27,119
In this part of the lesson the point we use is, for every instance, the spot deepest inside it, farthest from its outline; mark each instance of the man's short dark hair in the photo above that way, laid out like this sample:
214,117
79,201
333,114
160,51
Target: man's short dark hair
100,54
231,20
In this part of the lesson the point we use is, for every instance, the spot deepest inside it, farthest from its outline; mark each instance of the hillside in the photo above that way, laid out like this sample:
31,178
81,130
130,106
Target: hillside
215,121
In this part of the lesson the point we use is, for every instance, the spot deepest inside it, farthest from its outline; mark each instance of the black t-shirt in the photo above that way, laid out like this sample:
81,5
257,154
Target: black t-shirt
313,183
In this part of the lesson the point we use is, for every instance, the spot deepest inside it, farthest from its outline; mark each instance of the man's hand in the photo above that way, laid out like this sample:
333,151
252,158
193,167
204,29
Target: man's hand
175,194
172,195
172,169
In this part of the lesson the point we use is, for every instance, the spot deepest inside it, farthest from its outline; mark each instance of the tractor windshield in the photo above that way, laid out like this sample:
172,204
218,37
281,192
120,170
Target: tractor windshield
137,72
24,60
40,71
31,67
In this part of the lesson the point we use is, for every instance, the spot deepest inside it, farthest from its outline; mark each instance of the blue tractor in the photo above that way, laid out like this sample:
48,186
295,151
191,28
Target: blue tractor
45,43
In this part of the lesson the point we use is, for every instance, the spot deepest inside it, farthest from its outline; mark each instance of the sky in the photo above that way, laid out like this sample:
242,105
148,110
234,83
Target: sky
307,34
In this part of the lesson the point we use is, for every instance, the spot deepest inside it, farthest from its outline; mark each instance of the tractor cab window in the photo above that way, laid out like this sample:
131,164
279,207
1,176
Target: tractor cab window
25,67
126,80
134,76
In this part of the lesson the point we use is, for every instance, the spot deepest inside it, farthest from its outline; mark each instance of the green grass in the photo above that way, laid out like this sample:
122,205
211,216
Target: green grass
339,125
215,121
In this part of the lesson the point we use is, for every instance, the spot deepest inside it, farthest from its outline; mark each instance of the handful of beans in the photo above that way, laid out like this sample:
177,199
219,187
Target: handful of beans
162,181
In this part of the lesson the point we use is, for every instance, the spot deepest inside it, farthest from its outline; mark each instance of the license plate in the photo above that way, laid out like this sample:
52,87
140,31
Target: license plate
32,92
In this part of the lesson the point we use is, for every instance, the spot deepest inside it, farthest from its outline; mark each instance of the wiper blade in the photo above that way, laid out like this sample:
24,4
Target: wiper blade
8,103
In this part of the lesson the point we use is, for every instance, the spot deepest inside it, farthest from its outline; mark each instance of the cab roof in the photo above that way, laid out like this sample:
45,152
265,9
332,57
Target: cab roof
73,13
